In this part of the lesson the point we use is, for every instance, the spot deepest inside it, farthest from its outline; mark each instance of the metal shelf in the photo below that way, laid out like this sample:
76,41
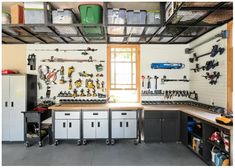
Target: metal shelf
160,36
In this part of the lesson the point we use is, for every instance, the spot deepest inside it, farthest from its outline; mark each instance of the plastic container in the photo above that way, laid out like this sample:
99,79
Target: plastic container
153,17
66,30
63,16
136,17
36,13
91,14
116,16
6,18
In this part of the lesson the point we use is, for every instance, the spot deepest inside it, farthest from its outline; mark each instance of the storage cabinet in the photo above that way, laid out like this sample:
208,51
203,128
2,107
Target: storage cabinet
124,125
183,128
95,125
161,126
67,126
19,94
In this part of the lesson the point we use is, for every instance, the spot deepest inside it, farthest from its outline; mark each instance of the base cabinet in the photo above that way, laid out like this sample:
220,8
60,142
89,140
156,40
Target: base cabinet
161,126
124,128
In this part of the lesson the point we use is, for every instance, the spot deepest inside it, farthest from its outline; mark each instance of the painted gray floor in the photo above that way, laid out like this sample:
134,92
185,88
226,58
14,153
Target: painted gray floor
99,154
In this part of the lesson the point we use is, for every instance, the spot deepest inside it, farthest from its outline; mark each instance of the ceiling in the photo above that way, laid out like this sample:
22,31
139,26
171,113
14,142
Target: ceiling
189,20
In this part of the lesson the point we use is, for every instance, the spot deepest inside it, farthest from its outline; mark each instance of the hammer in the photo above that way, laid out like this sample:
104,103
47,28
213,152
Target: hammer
155,77
149,83
143,77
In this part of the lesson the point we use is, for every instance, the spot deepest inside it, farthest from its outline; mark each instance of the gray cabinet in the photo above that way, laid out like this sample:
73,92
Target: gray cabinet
19,94
161,126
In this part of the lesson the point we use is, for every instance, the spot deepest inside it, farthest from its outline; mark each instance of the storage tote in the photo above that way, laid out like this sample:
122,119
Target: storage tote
91,14
63,16
136,17
153,17
116,16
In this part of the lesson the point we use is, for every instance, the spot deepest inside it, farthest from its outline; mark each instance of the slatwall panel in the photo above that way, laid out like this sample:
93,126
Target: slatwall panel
161,54
210,93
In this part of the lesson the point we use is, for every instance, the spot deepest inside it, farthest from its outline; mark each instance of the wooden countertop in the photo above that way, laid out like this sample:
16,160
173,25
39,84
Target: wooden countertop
191,110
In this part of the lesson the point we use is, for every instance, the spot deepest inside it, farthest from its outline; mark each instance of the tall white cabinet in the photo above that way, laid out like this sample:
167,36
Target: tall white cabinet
18,94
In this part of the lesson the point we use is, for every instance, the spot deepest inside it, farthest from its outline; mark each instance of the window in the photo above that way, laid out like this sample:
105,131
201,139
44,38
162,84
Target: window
123,73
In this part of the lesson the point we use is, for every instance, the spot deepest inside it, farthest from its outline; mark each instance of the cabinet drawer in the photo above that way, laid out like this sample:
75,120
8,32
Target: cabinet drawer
170,114
95,114
67,115
123,114
152,114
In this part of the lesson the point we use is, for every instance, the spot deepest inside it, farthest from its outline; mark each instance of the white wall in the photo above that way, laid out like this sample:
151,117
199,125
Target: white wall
79,67
209,93
161,54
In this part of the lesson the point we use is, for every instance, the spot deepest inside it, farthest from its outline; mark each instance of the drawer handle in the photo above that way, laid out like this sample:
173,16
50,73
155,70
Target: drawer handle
92,124
67,114
124,114
126,124
70,124
6,104
120,124
98,124
12,104
95,113
63,124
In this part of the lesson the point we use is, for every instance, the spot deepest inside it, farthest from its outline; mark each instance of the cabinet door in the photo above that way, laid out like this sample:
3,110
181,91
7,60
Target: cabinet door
117,128
5,108
170,130
183,128
130,130
102,128
61,129
152,130
73,129
89,129
17,105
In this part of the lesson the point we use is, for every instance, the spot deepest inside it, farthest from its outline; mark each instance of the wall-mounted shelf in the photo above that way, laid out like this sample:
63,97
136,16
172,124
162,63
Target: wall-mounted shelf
178,29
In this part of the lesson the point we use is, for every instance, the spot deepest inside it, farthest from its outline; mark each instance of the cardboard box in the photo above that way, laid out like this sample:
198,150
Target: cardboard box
17,14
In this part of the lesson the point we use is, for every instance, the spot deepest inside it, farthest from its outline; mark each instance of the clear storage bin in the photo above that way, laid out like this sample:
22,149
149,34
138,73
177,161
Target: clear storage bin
6,18
116,16
63,16
153,17
136,17
116,39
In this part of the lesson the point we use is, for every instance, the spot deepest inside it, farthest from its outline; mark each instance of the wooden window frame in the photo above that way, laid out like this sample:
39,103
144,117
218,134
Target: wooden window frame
137,47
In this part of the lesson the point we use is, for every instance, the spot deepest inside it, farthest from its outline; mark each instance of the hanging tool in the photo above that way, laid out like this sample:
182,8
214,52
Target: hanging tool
82,94
167,66
70,84
43,70
90,84
51,77
62,70
211,64
197,68
193,95
62,81
215,50
70,71
149,82
99,75
101,95
53,59
78,83
102,86
97,84
94,93
48,92
32,61
75,93
212,77
155,77
84,74
88,93
142,77
99,67
164,79
223,35
64,50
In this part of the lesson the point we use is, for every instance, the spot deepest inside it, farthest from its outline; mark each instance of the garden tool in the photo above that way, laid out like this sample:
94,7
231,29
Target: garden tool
70,71
78,83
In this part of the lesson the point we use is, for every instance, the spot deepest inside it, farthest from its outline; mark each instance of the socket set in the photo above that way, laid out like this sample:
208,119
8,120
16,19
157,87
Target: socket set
83,101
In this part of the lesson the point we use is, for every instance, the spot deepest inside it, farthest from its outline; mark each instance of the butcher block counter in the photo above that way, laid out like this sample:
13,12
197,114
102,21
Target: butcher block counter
191,110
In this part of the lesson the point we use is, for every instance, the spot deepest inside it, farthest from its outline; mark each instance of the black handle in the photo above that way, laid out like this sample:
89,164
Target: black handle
92,124
12,104
6,104
124,114
95,113
98,124
64,124
126,124
70,124
120,124
67,114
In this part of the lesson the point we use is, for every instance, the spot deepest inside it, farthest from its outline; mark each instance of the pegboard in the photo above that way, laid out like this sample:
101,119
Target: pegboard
89,67
210,93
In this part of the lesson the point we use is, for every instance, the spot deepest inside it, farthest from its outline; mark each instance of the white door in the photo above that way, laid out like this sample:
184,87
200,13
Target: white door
117,128
5,108
130,130
73,129
61,129
17,105
88,129
102,128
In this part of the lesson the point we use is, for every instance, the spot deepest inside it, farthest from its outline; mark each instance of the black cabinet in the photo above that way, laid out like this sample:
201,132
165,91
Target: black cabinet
161,126
183,128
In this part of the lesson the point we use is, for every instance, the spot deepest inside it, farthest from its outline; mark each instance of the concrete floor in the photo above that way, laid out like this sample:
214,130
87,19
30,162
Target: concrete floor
99,154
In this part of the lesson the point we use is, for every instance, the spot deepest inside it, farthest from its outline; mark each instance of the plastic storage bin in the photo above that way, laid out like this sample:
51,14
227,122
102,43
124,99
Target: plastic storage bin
36,13
136,17
116,16
91,14
63,16
6,18
153,17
